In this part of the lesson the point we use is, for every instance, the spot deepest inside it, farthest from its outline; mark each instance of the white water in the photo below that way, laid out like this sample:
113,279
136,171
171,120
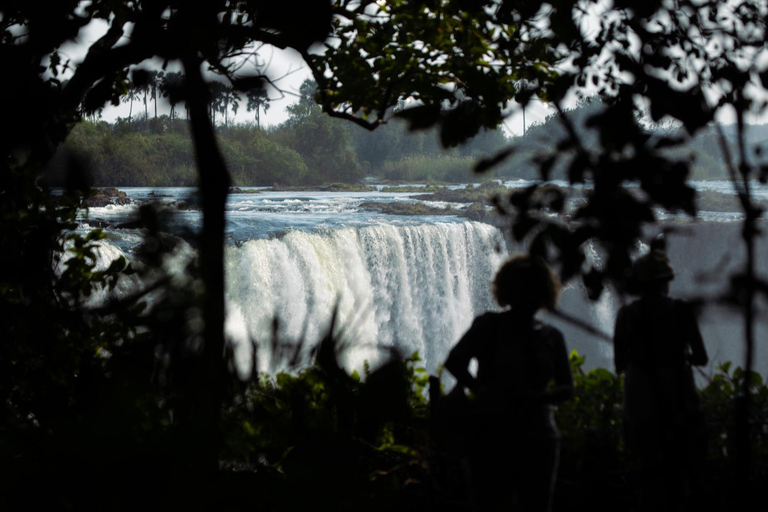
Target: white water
409,282
414,288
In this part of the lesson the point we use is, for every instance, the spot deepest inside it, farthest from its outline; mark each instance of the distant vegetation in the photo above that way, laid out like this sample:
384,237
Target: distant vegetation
311,149
535,148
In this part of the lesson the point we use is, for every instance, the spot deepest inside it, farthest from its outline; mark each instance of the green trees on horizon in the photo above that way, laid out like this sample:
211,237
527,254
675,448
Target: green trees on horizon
308,148
311,148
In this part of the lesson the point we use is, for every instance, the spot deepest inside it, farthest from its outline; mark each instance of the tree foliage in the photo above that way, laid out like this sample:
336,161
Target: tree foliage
159,153
57,92
324,144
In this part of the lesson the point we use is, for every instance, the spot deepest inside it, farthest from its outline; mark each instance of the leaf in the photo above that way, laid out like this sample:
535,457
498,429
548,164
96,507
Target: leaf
522,226
764,78
538,246
486,164
140,78
139,308
763,174
578,168
593,282
667,142
117,265
545,165
461,123
249,83
95,234
420,118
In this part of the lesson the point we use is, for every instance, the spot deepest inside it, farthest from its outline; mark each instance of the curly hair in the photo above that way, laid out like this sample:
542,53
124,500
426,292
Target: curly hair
526,280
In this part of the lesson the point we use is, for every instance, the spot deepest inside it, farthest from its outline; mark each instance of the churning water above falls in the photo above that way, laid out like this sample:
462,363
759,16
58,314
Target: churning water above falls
411,287
412,283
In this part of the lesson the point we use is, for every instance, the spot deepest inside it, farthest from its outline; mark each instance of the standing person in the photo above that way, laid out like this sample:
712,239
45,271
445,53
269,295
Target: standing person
656,340
515,443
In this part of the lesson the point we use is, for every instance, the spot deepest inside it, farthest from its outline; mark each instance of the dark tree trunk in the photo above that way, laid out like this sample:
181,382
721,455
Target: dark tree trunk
208,391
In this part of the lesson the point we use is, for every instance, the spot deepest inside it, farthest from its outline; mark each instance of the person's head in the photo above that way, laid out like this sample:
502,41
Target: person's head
526,282
652,273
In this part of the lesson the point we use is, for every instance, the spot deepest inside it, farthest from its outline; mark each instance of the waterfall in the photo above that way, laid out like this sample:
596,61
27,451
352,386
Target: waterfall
417,287
414,288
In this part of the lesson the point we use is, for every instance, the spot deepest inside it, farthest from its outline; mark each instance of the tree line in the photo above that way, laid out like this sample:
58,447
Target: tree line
307,149
311,149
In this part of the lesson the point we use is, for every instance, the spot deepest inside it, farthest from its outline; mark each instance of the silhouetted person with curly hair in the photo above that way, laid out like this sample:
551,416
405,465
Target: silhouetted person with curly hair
522,369
656,341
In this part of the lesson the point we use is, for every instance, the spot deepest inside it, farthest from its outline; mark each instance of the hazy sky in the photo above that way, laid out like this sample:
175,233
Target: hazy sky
288,70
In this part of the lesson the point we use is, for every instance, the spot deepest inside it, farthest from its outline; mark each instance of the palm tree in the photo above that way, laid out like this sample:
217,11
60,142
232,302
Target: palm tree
171,87
143,89
525,91
231,97
258,100
217,99
155,78
130,96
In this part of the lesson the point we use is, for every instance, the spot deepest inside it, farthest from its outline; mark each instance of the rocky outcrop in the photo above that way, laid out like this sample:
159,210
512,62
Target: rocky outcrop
107,196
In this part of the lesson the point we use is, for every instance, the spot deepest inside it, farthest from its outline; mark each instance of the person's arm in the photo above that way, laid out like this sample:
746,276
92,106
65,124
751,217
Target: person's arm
562,375
698,355
460,356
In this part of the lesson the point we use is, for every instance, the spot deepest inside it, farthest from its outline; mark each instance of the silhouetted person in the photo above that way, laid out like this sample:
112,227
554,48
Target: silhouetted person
515,447
656,340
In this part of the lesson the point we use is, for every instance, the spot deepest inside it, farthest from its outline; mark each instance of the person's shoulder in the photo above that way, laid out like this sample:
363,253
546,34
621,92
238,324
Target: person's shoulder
550,339
488,319
632,309
681,303
490,316
682,306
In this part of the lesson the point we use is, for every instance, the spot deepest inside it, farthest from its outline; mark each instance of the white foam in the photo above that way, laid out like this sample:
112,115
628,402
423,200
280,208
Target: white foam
409,287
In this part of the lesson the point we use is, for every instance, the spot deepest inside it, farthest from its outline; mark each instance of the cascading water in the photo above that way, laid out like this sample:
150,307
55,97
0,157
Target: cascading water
414,283
414,288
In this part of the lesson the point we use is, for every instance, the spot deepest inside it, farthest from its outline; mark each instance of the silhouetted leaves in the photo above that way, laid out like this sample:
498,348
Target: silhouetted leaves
485,164
545,166
523,225
593,282
422,117
108,382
